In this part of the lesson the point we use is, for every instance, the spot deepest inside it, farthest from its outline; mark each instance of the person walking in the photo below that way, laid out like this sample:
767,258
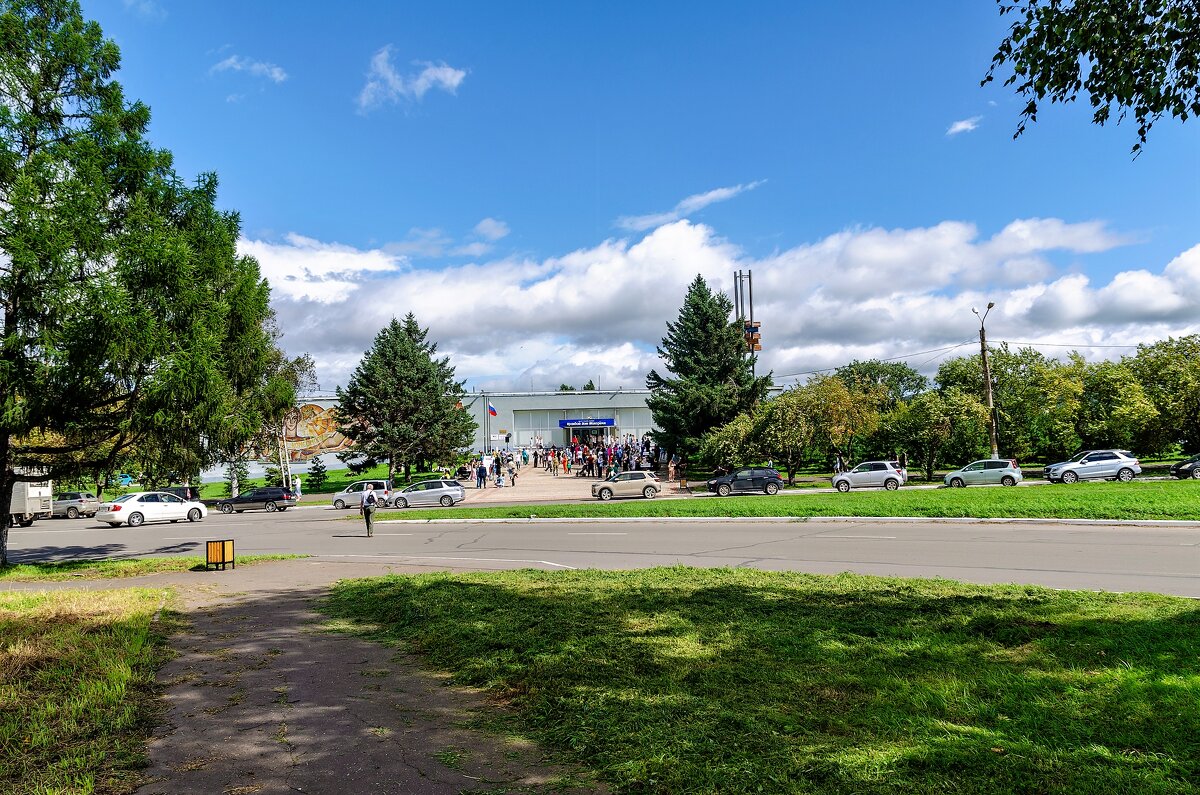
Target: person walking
480,476
367,508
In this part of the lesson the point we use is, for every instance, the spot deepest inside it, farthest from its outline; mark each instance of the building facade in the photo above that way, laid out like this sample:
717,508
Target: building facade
520,419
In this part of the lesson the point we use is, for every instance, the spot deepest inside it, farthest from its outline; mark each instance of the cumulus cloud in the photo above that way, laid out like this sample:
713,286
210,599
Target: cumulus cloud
385,84
238,63
964,125
692,204
599,312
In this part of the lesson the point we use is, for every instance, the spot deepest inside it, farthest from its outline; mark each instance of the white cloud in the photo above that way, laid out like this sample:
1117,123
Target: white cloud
964,125
238,63
599,312
491,229
145,8
385,84
692,204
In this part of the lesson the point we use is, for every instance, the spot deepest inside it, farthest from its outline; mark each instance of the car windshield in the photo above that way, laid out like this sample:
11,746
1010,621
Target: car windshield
612,478
123,498
1080,456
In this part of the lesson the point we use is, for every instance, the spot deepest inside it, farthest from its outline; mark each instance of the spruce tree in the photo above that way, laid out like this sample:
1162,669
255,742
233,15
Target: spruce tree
402,402
317,474
713,378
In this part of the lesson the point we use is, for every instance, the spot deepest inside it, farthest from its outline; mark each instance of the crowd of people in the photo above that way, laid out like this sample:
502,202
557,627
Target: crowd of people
592,457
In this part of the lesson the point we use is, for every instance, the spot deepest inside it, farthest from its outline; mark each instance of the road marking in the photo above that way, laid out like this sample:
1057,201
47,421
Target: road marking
434,557
819,535
597,534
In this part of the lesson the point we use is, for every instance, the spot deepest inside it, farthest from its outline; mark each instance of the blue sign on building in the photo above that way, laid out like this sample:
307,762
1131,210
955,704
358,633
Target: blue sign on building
608,423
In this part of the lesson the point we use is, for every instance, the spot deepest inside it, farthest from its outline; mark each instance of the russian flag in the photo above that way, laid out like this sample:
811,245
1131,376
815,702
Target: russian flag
491,409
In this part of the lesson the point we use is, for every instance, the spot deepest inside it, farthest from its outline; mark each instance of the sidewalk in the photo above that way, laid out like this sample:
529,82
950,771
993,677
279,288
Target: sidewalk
262,700
537,485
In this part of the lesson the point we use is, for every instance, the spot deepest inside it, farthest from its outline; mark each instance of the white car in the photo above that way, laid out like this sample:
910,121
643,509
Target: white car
149,506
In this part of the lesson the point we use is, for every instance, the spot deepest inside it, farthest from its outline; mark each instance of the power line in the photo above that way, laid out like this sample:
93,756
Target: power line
1063,345
889,359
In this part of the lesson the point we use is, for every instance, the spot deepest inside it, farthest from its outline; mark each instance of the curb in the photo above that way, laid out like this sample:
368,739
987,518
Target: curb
534,519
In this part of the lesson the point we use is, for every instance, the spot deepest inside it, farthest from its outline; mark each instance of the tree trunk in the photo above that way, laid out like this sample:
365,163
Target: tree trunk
6,489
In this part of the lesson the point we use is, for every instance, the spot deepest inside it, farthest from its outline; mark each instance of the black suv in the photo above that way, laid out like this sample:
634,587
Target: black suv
189,493
753,479
268,498
1187,469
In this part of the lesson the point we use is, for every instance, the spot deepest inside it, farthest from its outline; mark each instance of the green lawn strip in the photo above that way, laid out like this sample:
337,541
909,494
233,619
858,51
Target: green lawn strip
680,680
1137,500
77,688
116,569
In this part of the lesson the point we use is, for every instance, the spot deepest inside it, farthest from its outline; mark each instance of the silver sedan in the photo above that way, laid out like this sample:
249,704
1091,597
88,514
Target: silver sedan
430,492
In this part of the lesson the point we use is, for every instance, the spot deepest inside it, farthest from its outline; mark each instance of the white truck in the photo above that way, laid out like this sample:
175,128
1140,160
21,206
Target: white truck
31,500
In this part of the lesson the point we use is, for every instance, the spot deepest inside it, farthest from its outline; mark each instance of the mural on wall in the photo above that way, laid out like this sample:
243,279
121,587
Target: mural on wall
311,430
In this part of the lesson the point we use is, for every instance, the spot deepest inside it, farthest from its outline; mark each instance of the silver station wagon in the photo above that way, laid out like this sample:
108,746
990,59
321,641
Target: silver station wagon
429,492
990,471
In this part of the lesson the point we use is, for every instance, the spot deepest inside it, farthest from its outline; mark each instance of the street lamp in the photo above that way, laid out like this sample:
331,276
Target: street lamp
987,377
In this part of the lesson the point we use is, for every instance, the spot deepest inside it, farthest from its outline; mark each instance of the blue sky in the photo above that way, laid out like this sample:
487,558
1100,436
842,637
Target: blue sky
538,183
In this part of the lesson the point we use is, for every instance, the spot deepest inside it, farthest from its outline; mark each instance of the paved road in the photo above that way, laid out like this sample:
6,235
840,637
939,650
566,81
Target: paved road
1116,558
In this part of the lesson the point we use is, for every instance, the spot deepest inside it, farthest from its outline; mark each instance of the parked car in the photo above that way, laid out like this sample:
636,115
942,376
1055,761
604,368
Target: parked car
184,492
351,496
429,492
1096,465
888,474
628,484
264,498
1187,469
1002,471
73,504
149,506
752,479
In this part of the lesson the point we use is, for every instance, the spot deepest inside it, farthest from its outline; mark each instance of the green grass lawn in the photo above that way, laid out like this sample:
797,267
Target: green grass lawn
1137,500
76,688
680,680
116,569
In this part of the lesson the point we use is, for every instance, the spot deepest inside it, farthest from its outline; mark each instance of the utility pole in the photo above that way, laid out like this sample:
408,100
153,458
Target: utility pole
987,377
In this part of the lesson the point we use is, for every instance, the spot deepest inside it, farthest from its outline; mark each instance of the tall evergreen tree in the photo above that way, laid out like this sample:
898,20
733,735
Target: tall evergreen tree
402,402
713,378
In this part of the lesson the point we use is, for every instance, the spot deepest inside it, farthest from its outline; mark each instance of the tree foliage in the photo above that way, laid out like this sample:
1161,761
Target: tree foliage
1139,56
129,321
402,404
937,428
713,379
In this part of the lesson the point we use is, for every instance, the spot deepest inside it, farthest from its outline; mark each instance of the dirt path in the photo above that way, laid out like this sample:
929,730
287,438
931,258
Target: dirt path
260,700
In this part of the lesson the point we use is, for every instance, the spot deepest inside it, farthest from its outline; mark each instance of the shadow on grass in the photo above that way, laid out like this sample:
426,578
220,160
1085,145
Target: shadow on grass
678,680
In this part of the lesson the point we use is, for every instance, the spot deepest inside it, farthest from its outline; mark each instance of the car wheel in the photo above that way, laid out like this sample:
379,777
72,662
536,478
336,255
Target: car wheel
271,507
1195,473
339,504
1125,475
401,502
649,492
843,486
26,523
446,500
72,512
194,515
1069,477
136,519
891,484
606,494
772,488
957,483
724,490
226,508
1008,480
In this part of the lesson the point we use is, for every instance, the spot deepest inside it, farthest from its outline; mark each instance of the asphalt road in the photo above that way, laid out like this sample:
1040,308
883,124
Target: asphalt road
1059,555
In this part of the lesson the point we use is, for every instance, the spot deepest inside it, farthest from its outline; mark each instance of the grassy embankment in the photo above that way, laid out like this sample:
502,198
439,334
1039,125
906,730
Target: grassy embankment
681,680
116,569
1137,500
76,688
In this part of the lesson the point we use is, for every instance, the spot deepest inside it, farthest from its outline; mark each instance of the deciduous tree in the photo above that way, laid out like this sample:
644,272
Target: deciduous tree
1131,56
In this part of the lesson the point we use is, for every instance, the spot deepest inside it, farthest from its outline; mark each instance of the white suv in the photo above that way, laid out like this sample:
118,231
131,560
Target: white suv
1096,465
888,474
